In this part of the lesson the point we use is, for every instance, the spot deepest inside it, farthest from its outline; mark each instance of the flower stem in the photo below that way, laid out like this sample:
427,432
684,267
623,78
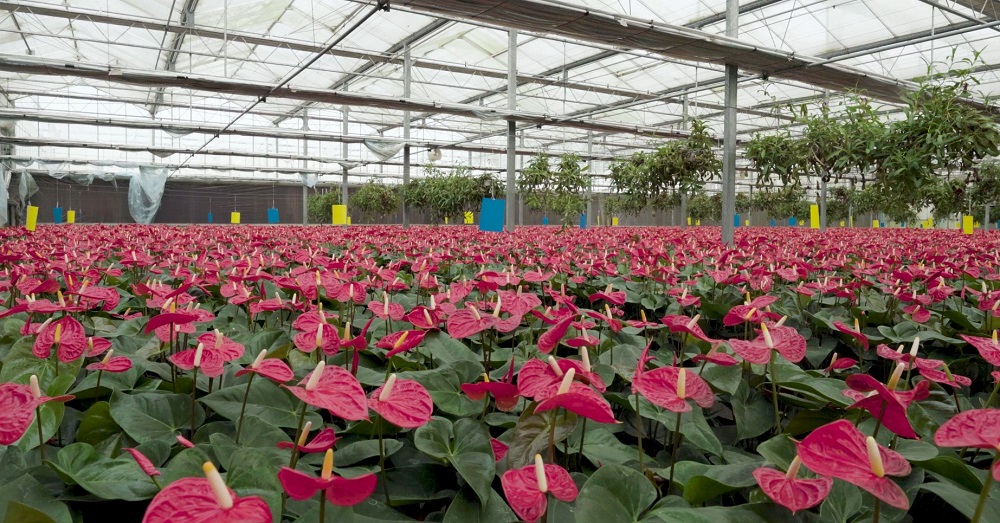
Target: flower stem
989,401
156,483
194,393
322,505
298,436
552,436
41,438
99,373
243,408
774,392
878,423
381,463
985,493
638,428
673,451
877,512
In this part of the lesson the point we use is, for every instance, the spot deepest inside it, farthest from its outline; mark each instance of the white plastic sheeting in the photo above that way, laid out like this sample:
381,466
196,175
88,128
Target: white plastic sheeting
383,149
145,193
4,181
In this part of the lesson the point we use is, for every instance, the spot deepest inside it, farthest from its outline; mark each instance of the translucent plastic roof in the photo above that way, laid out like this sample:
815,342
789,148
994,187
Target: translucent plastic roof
68,75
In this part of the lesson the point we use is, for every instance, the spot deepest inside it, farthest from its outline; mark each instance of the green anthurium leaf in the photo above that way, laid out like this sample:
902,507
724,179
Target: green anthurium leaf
418,484
444,386
97,424
27,491
843,502
915,450
119,478
352,453
779,450
466,508
722,378
694,427
466,446
370,511
266,401
752,412
750,513
20,513
12,463
148,416
963,500
614,493
954,470
445,349
270,339
623,358
533,431
87,388
19,364
704,482
187,464
51,414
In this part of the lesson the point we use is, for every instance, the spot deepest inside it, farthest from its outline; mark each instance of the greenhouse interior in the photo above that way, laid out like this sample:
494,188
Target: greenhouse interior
499,260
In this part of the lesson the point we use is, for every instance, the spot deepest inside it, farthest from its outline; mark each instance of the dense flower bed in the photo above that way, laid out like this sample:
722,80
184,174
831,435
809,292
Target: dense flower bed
441,374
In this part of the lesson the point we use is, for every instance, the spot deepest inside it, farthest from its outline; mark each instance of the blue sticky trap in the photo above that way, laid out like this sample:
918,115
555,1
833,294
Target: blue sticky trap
545,220
57,215
793,221
209,217
583,221
772,223
491,216
736,220
272,215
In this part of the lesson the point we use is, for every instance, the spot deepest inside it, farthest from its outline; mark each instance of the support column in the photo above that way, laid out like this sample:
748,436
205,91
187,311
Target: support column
343,153
407,66
590,176
520,197
822,204
685,108
729,132
304,146
511,128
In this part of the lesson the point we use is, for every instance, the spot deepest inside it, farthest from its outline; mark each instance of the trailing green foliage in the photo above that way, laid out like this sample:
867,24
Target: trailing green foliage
374,200
450,195
563,189
319,206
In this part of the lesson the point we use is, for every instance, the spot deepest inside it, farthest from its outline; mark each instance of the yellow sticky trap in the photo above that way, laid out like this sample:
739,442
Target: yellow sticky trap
748,223
32,218
967,224
814,216
469,218
874,224
70,216
689,220
339,215
348,220
446,220
697,222
234,217
841,223
614,221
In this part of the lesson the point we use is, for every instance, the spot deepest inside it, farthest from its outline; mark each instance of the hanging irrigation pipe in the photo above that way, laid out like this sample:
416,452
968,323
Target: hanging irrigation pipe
382,5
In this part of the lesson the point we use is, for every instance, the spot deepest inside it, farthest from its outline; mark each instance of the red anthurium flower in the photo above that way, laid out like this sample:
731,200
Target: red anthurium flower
469,322
94,295
854,333
683,298
228,349
786,340
716,356
184,442
504,392
198,500
578,398
386,309
96,346
989,348
66,334
790,492
973,428
527,488
404,403
917,313
670,387
884,402
838,363
273,369
334,389
642,323
169,318
17,408
910,358
342,492
550,339
112,363
946,377
324,440
352,291
539,380
681,323
423,317
608,317
610,296
752,311
840,450
499,449
147,466
401,341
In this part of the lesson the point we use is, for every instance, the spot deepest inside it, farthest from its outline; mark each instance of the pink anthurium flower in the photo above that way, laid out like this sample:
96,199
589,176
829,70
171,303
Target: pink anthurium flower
853,332
885,402
978,428
112,363
550,339
989,348
910,358
273,369
917,313
424,318
791,492
96,346
841,451
198,500
17,408
527,488
401,341
786,340
147,466
752,311
334,389
169,318
386,309
611,296
499,449
404,403
578,398
946,377
322,442
538,380
670,387
681,323
468,322
504,392
66,334
342,492
316,333
838,363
